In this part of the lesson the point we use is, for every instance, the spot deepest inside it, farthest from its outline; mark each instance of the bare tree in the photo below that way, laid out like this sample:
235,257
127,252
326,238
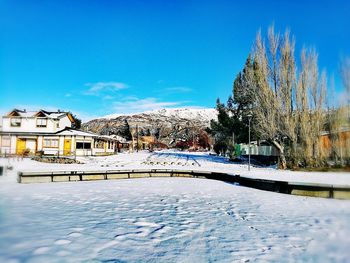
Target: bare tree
287,82
267,107
345,109
289,105
274,42
302,106
345,74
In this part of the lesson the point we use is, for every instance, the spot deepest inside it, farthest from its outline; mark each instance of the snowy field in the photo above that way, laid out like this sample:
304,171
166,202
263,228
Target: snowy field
168,219
177,160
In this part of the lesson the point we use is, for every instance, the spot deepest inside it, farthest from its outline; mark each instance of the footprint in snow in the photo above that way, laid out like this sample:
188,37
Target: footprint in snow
41,250
62,242
75,234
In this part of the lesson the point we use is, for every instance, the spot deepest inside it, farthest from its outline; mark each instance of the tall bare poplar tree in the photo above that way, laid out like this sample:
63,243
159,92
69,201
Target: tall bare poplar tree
267,111
287,82
345,73
288,104
274,42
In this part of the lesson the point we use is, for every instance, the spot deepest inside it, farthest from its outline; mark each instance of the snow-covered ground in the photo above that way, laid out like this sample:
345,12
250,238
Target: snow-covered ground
170,159
168,219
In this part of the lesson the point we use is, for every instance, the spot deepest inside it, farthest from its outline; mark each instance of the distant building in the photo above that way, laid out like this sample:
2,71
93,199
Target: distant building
336,143
49,133
122,143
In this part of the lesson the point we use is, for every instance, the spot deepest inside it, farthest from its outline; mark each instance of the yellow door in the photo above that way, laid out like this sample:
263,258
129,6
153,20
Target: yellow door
21,146
67,147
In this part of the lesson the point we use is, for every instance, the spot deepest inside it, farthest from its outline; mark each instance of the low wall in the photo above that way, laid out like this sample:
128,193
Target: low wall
303,189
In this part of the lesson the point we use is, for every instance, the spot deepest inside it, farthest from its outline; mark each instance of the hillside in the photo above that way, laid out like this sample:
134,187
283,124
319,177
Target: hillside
167,125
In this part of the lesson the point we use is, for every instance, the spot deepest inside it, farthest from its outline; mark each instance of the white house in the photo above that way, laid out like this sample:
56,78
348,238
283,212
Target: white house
49,133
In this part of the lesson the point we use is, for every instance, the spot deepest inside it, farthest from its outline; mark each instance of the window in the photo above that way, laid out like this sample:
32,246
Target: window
99,144
41,123
15,122
6,141
110,145
83,145
57,124
51,143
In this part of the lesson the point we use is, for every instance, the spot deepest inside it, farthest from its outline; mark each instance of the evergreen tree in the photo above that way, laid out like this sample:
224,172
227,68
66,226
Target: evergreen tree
125,131
221,129
141,132
243,90
232,124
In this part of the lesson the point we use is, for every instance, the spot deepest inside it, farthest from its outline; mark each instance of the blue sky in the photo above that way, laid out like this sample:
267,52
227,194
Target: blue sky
100,57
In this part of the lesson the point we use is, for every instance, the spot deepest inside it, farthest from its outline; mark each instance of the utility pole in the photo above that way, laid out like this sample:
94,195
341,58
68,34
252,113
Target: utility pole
249,119
137,138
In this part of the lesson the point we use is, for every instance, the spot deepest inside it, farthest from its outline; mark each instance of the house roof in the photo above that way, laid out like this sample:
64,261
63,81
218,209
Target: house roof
41,113
118,138
107,137
74,132
65,132
341,129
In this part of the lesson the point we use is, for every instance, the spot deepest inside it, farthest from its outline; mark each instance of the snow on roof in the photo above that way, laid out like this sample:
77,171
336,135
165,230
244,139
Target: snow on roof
48,114
118,138
108,137
74,132
341,129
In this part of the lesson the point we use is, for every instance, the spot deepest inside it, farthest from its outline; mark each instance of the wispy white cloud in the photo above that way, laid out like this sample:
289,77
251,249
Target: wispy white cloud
101,87
135,105
179,89
108,97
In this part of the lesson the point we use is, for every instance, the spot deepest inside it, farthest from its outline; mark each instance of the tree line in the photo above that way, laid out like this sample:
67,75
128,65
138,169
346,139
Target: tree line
289,99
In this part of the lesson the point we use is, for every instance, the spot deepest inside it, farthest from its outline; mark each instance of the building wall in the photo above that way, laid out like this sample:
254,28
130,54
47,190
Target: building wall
36,143
64,122
40,142
341,145
105,150
13,144
29,124
6,144
61,143
243,149
49,150
86,151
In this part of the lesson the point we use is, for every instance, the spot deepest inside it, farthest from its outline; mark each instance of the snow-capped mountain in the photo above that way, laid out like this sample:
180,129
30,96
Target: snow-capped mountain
203,114
169,125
